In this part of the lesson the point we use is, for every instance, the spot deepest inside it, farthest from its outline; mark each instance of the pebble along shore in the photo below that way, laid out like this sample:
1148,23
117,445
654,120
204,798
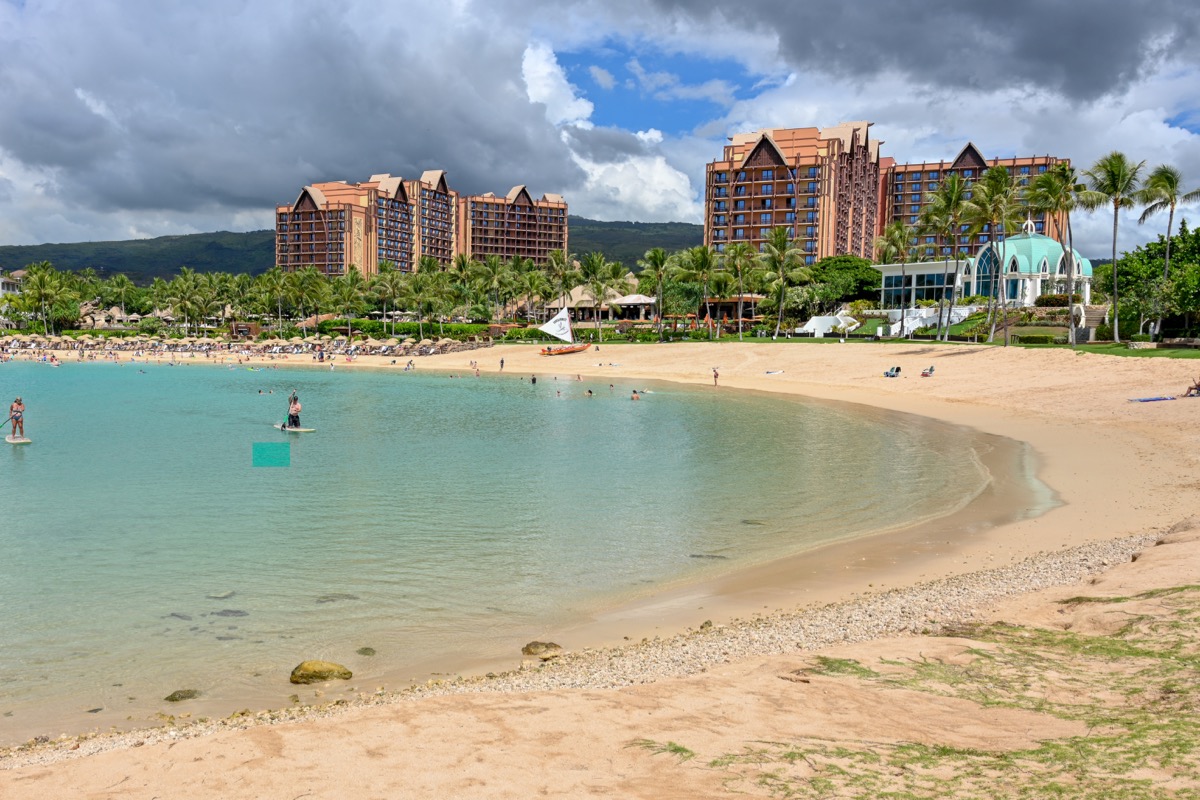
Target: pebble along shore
925,608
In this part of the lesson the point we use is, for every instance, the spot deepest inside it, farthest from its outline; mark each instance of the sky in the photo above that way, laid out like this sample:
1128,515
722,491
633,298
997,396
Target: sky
128,119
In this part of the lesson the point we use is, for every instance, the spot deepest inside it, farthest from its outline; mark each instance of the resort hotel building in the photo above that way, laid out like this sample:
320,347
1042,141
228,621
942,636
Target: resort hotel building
820,182
515,225
339,226
907,189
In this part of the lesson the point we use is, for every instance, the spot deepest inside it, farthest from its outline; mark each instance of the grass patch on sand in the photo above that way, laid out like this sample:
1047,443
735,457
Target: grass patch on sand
1135,689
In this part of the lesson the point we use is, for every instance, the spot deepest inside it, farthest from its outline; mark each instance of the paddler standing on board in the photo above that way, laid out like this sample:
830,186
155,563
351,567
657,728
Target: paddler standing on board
17,412
293,420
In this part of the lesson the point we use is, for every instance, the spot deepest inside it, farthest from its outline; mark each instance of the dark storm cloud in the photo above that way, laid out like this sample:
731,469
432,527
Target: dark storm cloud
170,106
605,144
1081,49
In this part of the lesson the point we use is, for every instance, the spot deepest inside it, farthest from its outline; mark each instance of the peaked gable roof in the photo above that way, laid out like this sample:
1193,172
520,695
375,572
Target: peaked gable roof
435,178
764,153
314,196
517,193
969,158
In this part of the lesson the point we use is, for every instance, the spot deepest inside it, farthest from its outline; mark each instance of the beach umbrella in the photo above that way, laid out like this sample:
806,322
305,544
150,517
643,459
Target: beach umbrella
410,340
295,340
326,338
392,342
426,342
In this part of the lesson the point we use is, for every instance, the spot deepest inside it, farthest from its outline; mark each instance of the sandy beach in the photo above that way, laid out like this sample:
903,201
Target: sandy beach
718,669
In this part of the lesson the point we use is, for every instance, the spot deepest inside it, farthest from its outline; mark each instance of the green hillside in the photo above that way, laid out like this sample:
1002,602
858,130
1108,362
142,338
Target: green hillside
146,259
254,252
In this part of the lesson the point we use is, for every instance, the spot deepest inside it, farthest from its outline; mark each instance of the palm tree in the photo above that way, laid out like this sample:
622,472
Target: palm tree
1057,192
388,286
780,258
895,246
347,296
739,260
43,287
308,288
1161,192
655,266
699,265
273,286
532,284
944,212
601,278
995,206
492,277
560,269
1116,178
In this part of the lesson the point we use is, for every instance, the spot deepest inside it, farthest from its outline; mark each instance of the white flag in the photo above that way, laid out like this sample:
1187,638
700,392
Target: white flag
559,327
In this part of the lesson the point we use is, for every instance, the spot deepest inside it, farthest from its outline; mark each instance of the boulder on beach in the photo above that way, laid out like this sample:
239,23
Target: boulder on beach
318,671
543,650
182,694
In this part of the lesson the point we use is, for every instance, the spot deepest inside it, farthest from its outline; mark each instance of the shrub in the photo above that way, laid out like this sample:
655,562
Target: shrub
1056,300
528,334
1141,337
1104,332
1035,338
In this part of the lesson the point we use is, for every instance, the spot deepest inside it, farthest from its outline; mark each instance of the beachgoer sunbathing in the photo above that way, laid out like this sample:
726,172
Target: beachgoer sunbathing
1193,390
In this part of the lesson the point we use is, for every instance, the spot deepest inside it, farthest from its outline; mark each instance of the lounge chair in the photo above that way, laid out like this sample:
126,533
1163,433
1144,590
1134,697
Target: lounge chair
894,372
927,373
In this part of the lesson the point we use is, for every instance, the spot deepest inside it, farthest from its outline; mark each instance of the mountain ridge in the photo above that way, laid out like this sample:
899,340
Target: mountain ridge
254,251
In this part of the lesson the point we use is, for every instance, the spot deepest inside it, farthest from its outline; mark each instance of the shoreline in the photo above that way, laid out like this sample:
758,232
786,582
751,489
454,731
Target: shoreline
1103,432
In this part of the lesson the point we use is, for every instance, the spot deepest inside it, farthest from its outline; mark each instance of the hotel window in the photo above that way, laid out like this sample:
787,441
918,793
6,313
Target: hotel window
968,173
740,191
900,177
719,219
791,188
812,172
739,233
768,175
1042,168
720,205
764,218
767,188
912,220
739,204
812,186
810,260
741,176
916,176
789,216
810,231
1024,170
720,177
768,203
933,176
930,239
914,209
739,219
811,202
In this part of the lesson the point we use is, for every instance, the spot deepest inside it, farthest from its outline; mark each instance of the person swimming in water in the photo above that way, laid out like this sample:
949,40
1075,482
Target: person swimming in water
293,420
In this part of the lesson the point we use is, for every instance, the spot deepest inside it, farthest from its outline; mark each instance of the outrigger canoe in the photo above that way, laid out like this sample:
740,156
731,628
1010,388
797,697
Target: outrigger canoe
563,350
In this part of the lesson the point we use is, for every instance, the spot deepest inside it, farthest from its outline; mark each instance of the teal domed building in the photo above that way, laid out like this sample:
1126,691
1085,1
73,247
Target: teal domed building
1032,265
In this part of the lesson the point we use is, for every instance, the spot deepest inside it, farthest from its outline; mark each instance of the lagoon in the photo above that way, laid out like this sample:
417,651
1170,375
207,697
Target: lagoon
438,521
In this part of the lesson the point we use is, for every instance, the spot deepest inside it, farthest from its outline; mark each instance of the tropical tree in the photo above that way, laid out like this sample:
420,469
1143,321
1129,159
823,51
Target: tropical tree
944,213
655,265
895,246
601,278
43,288
1162,192
780,259
739,259
388,286
995,207
347,296
562,272
1057,192
700,265
492,278
273,287
1116,178
309,288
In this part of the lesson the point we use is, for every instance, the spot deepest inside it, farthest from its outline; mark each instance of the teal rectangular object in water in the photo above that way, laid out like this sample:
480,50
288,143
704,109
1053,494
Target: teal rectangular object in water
272,454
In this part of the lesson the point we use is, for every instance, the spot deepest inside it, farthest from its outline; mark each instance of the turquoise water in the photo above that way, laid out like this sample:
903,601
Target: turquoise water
433,519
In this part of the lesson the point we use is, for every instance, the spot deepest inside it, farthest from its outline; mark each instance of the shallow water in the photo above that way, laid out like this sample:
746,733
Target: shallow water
429,518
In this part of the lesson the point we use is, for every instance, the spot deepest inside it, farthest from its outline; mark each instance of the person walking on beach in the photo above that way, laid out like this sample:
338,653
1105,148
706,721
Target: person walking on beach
293,420
17,415
502,365
714,376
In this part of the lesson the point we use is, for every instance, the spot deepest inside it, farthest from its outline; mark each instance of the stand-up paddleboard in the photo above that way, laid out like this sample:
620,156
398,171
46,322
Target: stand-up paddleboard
285,429
17,439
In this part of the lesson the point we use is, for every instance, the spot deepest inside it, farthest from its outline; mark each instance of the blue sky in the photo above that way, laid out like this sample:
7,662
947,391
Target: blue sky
106,132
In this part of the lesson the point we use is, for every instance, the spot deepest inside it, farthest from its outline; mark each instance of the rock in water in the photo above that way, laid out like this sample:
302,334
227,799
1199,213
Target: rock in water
543,650
182,694
365,651
318,671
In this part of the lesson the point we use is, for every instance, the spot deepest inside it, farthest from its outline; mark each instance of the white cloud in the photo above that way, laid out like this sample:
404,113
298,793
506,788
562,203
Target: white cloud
603,78
641,188
650,136
545,83
669,86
